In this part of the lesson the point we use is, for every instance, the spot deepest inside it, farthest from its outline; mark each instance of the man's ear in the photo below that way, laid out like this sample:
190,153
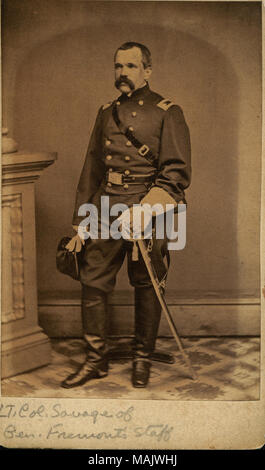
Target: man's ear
147,73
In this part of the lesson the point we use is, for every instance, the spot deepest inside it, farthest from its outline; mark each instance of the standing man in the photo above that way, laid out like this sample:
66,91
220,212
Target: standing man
139,152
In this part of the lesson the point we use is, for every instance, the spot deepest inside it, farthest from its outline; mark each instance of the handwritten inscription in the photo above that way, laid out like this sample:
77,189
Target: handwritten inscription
56,422
58,432
157,431
57,411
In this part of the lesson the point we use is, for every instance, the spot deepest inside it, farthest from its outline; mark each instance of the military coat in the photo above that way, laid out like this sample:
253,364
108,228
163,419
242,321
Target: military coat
157,123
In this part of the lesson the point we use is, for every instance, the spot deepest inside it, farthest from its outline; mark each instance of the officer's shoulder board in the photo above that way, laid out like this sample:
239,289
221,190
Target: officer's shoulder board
107,105
165,104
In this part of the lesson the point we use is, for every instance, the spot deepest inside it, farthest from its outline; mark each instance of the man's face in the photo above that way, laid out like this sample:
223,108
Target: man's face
130,73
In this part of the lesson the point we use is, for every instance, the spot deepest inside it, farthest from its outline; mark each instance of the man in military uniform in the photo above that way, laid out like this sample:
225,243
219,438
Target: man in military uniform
139,152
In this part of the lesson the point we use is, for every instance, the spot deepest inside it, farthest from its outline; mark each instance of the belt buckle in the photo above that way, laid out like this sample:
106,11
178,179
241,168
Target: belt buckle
143,150
115,178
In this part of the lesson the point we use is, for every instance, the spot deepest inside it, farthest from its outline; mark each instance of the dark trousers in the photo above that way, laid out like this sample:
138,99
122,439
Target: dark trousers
103,259
101,263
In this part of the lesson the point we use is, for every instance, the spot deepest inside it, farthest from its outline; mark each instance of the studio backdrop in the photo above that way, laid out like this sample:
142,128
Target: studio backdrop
57,72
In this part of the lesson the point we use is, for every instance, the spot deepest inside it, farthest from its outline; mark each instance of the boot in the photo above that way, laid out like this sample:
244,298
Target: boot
147,319
95,326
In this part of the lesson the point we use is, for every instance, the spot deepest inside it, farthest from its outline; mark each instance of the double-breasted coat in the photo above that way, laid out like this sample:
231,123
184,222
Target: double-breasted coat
158,124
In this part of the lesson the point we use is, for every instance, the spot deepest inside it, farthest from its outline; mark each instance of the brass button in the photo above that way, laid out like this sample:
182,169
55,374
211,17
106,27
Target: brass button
131,128
128,143
118,103
127,158
109,184
108,142
127,172
141,102
134,113
126,186
108,157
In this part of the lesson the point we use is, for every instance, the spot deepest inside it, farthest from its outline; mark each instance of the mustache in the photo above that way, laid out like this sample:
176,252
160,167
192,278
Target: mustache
126,80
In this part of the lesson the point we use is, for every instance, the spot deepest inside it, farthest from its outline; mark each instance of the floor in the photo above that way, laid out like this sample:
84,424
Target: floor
227,369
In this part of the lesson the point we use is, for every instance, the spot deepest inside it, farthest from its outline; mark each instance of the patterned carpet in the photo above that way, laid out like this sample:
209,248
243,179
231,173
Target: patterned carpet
227,369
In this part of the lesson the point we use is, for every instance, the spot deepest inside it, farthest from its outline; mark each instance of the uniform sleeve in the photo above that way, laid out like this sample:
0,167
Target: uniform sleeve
92,172
174,170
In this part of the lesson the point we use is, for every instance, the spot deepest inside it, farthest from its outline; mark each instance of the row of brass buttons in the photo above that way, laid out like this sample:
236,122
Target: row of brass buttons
127,158
140,102
128,144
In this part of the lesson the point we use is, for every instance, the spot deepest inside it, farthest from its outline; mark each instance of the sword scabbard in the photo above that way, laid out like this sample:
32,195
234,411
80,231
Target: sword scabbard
160,296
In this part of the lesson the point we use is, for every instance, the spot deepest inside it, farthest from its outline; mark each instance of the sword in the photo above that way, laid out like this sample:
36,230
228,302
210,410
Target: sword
160,296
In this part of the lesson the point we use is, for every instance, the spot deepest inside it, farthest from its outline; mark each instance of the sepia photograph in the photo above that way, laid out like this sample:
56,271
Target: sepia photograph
131,241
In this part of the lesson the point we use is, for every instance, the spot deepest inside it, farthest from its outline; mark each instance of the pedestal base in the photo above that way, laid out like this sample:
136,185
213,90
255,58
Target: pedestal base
25,353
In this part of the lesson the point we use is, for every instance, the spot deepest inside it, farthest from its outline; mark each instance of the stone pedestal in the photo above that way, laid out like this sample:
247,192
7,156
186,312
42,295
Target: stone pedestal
24,345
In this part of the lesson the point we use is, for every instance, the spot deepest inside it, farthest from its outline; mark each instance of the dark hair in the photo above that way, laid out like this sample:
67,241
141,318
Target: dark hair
146,54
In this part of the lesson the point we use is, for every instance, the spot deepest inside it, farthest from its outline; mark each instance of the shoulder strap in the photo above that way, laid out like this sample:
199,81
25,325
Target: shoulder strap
165,104
143,149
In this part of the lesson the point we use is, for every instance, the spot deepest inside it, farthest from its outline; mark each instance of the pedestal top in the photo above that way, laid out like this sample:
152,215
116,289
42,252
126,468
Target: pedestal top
25,165
22,158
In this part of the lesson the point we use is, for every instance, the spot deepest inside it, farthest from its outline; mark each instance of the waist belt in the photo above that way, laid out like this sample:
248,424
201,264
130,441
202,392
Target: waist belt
119,178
